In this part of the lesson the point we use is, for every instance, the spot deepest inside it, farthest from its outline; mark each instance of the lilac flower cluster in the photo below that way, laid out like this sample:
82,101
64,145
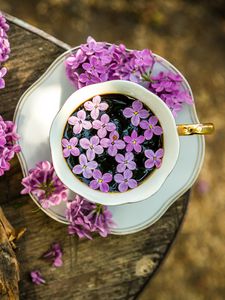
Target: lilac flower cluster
97,62
86,218
43,183
4,48
8,146
108,140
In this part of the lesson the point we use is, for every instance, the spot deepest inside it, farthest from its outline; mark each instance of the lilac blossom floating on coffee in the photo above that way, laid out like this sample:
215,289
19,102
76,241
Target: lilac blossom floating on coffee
98,62
44,184
112,152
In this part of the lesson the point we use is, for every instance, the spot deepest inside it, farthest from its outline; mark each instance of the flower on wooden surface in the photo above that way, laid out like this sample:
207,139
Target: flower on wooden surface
85,218
37,278
44,184
54,254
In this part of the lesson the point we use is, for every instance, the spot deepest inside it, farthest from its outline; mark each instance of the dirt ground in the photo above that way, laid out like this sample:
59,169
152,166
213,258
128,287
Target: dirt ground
191,35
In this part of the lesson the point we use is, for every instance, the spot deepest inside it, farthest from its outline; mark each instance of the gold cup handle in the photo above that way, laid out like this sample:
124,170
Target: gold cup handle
189,129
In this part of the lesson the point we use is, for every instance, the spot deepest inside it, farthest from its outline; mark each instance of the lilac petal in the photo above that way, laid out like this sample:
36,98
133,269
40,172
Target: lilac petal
105,143
104,187
58,262
65,142
137,148
85,143
73,141
94,140
83,160
77,169
81,114
92,164
114,135
103,106
95,113
135,120
149,163
128,112
97,124
137,105
132,183
77,128
112,150
121,168
94,184
123,187
96,100
129,147
144,124
90,154
87,173
153,120
120,158
89,105
127,139
102,132
157,130
127,174
107,177
149,153
140,139
143,113
134,134
111,126
131,165
129,156
148,134
118,178
75,151
97,174
98,149
120,144
105,119
87,125
159,153
158,163
73,120
66,152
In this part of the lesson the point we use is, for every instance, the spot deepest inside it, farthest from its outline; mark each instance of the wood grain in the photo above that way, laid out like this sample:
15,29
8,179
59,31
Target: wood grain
117,267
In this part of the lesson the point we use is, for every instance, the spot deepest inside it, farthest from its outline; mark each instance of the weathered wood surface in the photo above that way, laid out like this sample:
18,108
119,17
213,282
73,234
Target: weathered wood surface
117,267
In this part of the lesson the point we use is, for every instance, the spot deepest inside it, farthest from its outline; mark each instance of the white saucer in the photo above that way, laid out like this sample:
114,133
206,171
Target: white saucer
34,114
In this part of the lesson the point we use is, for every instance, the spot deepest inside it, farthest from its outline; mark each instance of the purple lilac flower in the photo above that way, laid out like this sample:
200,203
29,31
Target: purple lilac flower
92,46
92,146
125,181
36,277
8,146
3,71
103,125
151,127
95,106
86,217
70,147
88,78
143,58
85,167
100,181
113,143
136,112
55,255
134,142
45,185
94,67
125,162
79,122
154,158
168,86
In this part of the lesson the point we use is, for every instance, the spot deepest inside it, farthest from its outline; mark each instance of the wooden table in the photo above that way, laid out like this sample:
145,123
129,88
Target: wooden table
118,267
